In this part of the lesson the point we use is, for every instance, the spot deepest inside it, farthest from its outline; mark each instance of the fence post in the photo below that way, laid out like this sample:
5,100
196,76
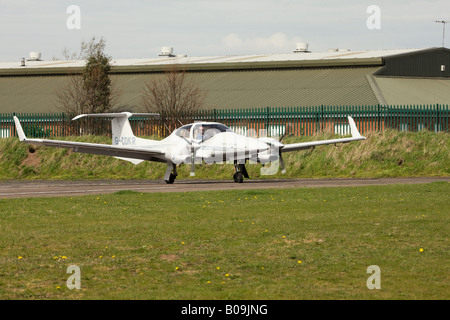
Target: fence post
436,125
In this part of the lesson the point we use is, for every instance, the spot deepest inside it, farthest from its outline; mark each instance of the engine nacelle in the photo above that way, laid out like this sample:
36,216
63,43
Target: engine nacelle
266,157
179,155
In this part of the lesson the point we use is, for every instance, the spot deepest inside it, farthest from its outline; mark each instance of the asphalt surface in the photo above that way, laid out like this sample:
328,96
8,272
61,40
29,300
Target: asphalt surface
29,189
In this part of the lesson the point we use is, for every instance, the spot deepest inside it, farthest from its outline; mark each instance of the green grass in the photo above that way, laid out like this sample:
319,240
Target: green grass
384,154
230,244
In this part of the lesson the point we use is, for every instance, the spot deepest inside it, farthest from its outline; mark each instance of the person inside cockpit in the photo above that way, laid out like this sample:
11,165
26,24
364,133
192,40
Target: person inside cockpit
200,133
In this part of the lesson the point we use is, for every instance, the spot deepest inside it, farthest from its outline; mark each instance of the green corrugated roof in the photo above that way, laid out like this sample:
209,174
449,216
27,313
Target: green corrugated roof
262,88
399,91
225,89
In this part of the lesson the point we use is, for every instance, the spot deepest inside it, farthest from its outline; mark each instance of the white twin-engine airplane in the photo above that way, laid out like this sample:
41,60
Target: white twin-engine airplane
210,142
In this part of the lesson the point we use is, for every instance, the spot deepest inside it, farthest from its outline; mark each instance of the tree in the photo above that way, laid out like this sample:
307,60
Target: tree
92,91
174,96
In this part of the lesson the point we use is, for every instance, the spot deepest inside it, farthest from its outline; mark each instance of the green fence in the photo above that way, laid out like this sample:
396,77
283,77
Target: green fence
271,121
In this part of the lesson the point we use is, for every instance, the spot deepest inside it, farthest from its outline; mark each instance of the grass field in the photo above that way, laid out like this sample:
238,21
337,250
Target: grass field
265,244
384,154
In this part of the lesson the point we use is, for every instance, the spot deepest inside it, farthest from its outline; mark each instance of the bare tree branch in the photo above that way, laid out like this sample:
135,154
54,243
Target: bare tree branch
175,97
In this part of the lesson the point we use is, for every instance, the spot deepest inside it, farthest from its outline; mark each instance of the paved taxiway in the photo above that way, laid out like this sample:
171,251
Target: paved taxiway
28,189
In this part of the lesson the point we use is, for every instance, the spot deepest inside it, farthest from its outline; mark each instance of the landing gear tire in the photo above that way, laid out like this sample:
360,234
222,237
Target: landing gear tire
171,179
238,177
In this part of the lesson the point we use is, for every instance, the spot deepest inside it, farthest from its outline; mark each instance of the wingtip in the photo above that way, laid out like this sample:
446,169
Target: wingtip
354,130
19,129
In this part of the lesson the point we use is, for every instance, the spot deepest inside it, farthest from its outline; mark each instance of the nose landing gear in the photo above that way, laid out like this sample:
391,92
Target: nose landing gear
241,173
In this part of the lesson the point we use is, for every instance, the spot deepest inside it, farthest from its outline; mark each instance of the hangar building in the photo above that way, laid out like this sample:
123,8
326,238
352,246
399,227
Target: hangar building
333,78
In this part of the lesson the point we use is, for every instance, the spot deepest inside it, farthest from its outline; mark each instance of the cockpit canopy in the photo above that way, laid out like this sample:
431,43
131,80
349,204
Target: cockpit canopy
201,131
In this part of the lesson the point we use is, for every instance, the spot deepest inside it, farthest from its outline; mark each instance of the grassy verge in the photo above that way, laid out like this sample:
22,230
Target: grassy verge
383,154
265,244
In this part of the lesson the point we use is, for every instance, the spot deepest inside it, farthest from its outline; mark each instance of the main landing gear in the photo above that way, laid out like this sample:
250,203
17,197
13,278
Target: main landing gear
241,173
171,173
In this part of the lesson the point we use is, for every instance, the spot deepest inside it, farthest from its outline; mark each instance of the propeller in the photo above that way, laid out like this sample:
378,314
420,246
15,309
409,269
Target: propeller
192,173
191,143
282,164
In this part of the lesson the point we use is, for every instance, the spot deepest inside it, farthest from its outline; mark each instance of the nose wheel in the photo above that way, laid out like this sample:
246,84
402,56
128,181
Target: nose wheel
241,173
238,177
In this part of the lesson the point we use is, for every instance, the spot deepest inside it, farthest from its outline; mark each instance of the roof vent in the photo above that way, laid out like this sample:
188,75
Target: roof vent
166,52
301,47
34,56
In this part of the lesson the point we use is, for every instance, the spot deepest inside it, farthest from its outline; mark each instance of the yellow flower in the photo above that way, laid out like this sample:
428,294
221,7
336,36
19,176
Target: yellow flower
421,250
63,257
284,237
299,261
218,268
19,257
227,275
208,281
182,242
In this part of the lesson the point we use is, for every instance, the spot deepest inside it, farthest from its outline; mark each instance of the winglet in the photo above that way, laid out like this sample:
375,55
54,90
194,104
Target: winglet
19,129
354,129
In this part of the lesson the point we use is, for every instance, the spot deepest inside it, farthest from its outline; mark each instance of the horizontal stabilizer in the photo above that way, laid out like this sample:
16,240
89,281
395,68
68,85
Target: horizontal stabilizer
116,115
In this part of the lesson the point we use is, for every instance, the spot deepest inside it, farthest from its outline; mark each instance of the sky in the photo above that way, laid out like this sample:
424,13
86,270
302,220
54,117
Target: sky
138,29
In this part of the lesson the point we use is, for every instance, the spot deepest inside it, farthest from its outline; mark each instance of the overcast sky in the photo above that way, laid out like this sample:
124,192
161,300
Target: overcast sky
138,29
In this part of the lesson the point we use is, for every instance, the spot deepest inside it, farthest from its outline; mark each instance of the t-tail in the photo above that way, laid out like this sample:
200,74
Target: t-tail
122,133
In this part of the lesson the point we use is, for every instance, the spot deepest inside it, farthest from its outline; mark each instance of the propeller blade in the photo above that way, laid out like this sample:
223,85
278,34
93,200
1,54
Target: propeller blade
282,166
192,173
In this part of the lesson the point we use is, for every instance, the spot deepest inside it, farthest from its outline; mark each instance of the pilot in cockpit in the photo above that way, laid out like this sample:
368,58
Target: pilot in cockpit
201,134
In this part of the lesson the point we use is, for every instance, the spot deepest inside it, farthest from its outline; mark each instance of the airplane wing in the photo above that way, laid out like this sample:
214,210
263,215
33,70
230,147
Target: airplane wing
307,145
151,153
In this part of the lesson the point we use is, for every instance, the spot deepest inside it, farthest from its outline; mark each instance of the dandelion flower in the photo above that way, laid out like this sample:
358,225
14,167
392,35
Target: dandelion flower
218,268
19,257
284,237
421,250
227,275
208,282
299,261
